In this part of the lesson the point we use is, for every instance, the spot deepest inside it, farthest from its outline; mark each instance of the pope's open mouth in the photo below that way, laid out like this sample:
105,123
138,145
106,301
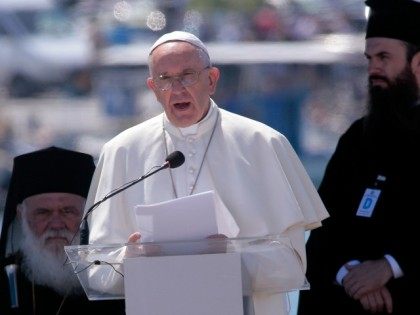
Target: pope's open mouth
182,106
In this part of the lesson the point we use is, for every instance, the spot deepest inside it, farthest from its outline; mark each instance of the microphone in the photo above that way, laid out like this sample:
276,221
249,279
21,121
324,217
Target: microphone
173,160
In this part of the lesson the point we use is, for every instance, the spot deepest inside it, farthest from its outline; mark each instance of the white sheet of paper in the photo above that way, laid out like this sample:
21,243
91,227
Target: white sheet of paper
188,218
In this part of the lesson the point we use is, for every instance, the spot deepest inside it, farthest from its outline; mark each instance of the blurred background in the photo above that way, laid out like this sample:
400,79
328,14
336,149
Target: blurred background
72,72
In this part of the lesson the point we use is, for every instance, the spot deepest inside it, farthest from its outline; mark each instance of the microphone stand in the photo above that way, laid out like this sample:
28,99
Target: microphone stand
84,228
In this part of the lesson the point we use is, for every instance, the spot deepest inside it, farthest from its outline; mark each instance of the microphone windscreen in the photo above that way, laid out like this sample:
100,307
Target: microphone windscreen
175,159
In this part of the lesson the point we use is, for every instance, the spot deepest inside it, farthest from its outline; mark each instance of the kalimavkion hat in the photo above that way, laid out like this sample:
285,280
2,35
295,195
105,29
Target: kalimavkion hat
49,170
179,36
397,19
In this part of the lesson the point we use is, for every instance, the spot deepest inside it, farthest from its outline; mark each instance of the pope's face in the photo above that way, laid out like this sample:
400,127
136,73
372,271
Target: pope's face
386,60
183,105
53,218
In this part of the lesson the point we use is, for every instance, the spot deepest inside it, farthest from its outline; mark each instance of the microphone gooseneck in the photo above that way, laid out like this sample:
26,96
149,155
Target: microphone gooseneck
173,160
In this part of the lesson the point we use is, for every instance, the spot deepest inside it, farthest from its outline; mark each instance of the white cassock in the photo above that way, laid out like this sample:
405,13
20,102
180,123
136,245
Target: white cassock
251,166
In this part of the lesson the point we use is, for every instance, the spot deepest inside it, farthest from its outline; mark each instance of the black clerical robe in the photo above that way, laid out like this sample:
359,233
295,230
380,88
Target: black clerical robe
41,300
392,227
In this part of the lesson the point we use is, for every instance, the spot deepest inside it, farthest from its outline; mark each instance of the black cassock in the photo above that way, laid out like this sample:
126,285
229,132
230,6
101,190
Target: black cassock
47,301
391,229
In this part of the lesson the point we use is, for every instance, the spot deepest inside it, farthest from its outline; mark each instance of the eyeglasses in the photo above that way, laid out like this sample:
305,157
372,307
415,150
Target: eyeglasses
188,78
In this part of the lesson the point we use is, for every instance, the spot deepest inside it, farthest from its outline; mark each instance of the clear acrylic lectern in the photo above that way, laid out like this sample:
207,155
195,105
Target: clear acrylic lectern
207,273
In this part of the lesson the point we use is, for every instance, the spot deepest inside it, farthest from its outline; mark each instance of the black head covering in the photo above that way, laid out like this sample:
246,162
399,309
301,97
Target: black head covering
397,19
49,170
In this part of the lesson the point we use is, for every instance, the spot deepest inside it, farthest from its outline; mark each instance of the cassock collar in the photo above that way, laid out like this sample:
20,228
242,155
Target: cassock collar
197,129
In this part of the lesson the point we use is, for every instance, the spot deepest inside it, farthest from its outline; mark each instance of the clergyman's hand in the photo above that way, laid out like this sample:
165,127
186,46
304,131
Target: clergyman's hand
377,301
366,277
133,250
134,238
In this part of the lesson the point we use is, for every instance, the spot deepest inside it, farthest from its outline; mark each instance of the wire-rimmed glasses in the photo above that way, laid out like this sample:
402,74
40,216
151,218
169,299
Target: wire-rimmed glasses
189,77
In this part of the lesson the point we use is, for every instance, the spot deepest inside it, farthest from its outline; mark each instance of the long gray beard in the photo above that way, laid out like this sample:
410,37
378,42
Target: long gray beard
46,267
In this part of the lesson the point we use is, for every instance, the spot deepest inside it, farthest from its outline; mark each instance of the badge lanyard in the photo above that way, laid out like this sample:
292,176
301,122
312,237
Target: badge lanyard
370,198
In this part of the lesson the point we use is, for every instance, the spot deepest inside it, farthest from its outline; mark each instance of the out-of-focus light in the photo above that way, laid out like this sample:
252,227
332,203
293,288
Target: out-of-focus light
156,20
192,21
122,11
367,11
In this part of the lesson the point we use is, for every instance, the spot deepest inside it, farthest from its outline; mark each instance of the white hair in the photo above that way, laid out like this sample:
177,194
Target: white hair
46,266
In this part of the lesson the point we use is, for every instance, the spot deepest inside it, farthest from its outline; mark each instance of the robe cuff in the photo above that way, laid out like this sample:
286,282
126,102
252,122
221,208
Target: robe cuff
396,269
343,271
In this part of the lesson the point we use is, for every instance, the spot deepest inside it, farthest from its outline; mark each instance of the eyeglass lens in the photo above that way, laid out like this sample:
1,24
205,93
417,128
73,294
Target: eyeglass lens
186,79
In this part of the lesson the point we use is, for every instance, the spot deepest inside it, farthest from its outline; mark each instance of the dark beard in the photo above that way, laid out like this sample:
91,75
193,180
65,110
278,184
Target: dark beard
391,108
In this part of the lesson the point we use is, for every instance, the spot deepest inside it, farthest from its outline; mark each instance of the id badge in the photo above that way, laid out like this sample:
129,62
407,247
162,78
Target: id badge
368,202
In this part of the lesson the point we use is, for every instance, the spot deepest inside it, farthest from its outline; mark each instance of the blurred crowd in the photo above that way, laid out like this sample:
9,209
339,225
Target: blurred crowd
123,22
290,21
290,98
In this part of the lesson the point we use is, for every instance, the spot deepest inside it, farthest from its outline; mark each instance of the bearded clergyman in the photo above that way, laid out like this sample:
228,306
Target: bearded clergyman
44,207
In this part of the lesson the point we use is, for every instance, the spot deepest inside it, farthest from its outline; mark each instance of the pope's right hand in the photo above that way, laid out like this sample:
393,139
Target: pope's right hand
136,249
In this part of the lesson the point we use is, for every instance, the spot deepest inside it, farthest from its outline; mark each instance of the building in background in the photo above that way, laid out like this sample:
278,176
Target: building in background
42,47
